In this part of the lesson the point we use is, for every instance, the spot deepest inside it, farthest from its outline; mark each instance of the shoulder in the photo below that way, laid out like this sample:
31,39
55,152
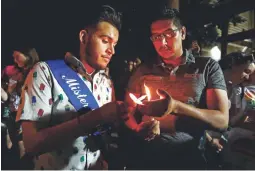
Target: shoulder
44,65
207,62
39,70
40,65
205,59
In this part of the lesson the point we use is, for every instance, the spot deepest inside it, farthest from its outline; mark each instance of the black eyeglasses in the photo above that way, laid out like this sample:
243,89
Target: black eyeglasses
167,35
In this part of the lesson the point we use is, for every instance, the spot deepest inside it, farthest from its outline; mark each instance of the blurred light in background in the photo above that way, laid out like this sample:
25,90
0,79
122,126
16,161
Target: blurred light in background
215,53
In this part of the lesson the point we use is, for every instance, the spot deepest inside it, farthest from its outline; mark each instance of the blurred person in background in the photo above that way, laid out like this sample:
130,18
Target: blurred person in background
13,78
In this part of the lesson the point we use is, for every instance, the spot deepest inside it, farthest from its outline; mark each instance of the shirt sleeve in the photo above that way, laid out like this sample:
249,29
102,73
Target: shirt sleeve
36,99
216,78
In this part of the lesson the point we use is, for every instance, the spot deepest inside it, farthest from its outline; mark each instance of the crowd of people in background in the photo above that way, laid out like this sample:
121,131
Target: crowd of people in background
204,106
13,78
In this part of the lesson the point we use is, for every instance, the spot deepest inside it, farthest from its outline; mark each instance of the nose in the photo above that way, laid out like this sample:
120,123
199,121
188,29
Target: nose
110,50
163,40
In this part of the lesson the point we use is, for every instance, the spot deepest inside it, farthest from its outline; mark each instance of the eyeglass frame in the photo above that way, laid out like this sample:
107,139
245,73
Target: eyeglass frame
163,35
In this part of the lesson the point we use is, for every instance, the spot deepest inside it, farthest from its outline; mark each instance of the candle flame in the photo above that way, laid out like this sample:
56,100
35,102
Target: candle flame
135,99
140,99
148,93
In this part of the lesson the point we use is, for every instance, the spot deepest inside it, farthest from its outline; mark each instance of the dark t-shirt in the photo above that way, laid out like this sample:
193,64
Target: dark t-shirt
187,83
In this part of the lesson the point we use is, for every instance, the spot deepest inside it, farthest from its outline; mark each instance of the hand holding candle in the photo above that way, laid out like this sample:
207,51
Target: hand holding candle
149,129
160,107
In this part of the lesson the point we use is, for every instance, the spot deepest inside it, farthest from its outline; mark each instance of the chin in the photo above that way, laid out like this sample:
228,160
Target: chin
20,65
101,66
169,57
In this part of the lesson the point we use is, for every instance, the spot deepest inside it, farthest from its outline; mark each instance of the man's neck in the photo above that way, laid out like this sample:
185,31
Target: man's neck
89,69
174,62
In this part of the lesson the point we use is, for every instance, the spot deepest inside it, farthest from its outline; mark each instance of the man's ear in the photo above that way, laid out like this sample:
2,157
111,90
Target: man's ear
183,32
83,35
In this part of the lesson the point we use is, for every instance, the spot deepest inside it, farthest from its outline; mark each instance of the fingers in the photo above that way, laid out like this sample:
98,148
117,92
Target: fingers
215,143
149,138
149,129
153,131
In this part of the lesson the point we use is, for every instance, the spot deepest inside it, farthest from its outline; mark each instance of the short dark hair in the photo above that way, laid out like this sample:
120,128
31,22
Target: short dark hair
105,13
167,13
235,59
31,54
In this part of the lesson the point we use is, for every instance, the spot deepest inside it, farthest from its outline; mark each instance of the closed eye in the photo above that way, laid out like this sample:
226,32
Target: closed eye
105,41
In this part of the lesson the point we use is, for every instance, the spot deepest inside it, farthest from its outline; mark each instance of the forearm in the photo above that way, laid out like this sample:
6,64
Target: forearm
52,138
216,118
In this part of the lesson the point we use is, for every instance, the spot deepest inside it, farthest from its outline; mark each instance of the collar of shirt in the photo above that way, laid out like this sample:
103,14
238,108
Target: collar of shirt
82,70
187,57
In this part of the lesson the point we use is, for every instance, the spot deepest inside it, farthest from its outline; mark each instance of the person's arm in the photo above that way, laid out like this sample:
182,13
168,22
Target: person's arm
216,114
167,122
4,95
45,140
36,106
214,141
149,127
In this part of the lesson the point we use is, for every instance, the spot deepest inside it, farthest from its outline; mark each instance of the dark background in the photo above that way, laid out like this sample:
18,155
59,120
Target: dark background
52,26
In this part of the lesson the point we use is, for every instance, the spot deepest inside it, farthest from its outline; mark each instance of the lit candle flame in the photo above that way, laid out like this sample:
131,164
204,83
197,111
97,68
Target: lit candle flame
147,91
140,99
135,99
148,95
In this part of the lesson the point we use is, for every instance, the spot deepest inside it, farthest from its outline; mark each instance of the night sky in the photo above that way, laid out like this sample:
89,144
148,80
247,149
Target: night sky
52,27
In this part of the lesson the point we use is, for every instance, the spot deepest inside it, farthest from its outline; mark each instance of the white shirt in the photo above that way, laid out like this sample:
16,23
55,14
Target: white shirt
38,105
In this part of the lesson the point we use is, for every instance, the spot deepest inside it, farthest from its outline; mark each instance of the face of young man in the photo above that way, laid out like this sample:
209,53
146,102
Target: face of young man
167,39
234,74
100,45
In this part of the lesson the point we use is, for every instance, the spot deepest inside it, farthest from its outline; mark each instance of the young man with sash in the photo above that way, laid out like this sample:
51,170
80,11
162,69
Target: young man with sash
63,101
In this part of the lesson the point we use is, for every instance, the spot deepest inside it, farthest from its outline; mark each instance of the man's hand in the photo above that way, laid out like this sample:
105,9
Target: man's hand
214,142
195,47
161,107
113,111
149,129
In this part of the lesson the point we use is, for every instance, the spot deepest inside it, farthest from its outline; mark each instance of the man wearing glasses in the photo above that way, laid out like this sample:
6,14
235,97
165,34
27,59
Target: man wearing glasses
195,99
